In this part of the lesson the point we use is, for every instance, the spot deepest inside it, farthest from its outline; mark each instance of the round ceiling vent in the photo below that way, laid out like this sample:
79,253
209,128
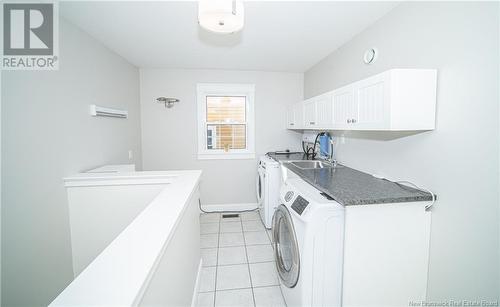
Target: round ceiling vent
370,55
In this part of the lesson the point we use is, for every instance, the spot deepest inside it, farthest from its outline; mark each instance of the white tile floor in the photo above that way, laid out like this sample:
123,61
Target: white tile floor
238,267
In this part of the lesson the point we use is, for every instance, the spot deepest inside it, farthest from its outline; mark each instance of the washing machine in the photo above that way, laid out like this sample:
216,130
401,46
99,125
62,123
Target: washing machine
268,188
308,236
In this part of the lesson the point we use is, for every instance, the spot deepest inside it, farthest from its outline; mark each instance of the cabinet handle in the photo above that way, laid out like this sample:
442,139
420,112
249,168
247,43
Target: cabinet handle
312,123
348,121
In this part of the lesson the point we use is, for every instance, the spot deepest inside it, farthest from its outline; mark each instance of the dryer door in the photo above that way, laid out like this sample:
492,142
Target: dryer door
286,248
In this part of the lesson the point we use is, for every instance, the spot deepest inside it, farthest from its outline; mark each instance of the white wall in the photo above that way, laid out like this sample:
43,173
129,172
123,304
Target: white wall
47,134
169,136
460,159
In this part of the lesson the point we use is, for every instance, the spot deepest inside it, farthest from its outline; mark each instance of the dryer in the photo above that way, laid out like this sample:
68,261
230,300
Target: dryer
268,187
308,234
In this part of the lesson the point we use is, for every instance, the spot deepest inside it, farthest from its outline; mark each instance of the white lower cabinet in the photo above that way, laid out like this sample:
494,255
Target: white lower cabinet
386,254
395,100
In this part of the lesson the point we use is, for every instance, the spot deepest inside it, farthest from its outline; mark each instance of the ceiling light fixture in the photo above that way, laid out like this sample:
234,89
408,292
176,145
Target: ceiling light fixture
221,16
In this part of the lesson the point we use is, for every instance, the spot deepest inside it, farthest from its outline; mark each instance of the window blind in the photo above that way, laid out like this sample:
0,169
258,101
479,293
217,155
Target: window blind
226,122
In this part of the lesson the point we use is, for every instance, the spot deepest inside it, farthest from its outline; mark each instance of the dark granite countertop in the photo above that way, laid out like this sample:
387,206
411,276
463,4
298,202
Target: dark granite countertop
351,187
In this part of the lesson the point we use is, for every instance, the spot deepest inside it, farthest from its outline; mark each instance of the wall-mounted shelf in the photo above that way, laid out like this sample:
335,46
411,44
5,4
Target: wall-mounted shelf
107,112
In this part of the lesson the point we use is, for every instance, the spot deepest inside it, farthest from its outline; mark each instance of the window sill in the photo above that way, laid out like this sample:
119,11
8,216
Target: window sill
226,156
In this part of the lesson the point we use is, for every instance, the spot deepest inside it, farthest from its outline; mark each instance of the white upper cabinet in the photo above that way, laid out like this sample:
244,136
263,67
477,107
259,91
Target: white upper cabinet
315,113
396,100
373,106
290,118
345,107
324,110
412,96
298,111
295,116
310,114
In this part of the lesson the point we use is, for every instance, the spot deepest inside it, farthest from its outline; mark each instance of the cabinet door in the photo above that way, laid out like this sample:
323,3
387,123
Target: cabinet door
290,117
373,103
345,107
298,115
310,113
324,111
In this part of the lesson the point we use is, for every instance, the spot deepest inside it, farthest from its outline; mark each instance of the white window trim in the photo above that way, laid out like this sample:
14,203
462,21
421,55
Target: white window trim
225,89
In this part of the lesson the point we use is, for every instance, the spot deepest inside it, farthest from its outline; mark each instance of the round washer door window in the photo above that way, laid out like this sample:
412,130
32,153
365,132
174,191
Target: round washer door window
286,249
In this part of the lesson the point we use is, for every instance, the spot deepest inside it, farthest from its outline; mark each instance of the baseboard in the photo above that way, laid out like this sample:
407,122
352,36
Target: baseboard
197,285
230,207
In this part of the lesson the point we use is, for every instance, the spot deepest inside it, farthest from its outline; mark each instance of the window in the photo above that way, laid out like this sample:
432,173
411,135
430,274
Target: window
226,121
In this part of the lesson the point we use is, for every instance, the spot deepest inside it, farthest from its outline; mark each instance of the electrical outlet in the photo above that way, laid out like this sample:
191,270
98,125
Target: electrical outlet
130,154
342,139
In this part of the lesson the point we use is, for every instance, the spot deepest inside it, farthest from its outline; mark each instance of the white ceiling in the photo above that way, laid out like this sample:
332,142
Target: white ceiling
278,36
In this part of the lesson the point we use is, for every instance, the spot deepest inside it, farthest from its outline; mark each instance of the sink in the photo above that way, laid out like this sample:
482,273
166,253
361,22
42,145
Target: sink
311,164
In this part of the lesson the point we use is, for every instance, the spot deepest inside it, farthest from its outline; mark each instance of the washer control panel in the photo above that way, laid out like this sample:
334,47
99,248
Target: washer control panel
299,204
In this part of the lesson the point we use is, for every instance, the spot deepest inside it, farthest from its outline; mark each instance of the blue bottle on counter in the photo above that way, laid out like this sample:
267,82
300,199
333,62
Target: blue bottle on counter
324,146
